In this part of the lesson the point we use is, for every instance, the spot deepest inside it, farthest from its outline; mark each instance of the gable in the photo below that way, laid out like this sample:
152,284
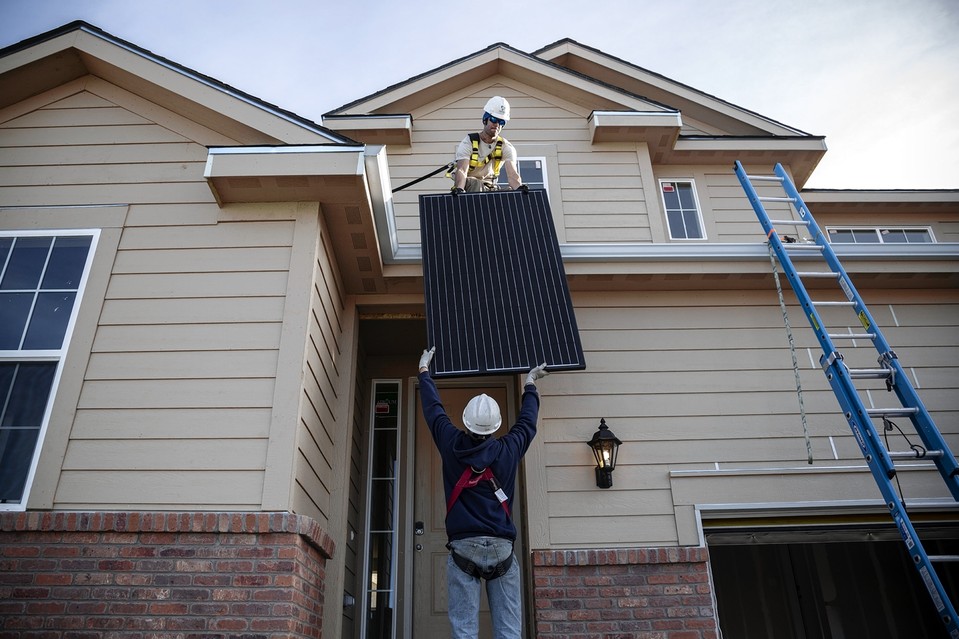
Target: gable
708,114
79,50
617,102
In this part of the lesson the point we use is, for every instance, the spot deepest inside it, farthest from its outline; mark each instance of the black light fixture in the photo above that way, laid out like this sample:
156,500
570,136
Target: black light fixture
605,447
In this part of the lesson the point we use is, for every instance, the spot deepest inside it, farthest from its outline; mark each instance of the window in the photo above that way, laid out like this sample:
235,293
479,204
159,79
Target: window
880,236
682,210
41,281
382,513
532,170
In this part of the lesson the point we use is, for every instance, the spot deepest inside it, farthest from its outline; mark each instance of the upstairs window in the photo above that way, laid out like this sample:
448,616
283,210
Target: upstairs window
682,210
532,170
880,235
41,281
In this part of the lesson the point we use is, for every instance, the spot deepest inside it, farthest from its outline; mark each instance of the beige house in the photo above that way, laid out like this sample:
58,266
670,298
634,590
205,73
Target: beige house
211,311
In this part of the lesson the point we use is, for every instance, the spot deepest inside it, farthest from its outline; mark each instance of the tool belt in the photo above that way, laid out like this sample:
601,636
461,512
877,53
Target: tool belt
470,568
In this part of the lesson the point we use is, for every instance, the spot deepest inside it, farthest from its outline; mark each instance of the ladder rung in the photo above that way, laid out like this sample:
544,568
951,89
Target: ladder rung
777,199
869,373
891,412
793,222
854,336
830,274
765,178
840,303
943,557
912,454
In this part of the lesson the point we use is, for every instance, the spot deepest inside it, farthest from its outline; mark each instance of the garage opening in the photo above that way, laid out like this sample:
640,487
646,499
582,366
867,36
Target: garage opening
828,581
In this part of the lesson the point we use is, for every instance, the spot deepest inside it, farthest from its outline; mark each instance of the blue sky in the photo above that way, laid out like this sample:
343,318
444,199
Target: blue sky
878,78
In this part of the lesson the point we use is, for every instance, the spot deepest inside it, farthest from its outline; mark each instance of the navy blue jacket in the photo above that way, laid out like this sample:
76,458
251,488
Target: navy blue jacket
477,512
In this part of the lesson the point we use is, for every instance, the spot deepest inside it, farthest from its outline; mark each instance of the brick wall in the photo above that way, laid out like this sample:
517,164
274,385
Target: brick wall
79,575
641,593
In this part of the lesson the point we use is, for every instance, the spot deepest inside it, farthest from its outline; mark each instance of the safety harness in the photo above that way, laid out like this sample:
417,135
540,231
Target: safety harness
470,478
496,155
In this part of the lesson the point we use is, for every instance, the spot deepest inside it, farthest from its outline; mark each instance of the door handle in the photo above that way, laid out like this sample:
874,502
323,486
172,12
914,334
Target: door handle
419,528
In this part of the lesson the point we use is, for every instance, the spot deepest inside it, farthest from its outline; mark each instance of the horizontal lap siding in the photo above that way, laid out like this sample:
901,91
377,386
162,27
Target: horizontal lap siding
85,150
601,187
176,405
704,380
189,331
320,416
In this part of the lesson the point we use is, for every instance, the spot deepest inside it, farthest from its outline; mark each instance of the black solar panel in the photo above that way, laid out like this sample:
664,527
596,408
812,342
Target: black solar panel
497,300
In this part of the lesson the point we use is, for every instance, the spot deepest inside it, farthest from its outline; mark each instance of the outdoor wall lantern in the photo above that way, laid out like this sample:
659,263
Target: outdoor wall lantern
605,446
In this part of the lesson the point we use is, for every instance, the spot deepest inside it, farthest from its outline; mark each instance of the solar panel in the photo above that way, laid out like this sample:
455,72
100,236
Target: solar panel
497,300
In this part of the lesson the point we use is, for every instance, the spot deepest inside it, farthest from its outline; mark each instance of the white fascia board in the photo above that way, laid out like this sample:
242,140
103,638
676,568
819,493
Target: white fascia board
381,200
364,122
332,158
735,143
636,118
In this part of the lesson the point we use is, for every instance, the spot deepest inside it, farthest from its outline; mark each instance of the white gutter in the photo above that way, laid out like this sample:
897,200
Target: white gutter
596,252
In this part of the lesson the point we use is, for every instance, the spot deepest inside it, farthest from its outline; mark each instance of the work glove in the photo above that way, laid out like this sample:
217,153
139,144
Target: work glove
457,190
522,187
426,357
537,373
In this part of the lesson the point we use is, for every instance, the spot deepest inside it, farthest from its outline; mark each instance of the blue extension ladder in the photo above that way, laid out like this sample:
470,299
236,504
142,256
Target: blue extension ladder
859,417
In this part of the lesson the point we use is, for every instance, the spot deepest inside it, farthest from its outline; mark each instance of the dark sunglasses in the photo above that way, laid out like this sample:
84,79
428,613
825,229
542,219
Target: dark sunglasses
496,120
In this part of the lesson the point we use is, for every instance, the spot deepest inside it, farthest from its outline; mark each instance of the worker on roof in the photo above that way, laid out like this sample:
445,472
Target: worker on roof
480,156
479,477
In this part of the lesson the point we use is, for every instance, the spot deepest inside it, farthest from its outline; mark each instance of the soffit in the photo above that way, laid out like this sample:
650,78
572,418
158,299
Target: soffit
876,202
332,175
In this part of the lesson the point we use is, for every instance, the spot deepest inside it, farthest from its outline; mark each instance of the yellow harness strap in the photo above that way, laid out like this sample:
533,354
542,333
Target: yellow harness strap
496,155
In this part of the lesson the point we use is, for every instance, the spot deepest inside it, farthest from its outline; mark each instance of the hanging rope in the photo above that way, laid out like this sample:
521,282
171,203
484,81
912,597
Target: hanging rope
792,351
448,167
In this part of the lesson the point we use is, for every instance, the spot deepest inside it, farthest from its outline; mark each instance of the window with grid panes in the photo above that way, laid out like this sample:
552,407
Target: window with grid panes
682,210
41,281
880,235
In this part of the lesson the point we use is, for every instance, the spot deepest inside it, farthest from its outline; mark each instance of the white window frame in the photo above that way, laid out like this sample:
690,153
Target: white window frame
502,179
878,230
366,594
58,355
699,209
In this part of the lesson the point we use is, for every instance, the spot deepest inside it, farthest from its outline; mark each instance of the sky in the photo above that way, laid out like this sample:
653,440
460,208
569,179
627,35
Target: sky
878,78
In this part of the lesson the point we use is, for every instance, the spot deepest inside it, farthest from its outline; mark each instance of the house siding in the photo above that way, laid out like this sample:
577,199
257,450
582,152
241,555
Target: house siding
175,410
703,381
598,188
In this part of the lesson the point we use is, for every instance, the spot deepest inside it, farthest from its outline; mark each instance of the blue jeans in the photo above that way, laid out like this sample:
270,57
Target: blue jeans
504,593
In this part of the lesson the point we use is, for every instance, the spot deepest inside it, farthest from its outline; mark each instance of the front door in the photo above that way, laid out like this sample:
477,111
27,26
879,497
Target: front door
429,510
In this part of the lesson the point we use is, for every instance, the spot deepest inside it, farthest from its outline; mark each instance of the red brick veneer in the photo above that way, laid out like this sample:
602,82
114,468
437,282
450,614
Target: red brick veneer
639,593
82,575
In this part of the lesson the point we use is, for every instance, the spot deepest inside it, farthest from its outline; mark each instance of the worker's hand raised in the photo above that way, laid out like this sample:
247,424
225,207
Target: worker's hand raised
426,357
537,373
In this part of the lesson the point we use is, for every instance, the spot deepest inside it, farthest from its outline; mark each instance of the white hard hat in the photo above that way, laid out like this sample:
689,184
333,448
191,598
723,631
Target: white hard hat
497,107
482,415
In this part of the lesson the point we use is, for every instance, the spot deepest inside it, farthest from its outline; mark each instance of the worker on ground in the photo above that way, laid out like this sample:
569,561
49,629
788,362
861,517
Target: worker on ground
480,156
479,477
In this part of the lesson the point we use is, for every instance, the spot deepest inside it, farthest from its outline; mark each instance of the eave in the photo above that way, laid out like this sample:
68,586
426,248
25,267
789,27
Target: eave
395,130
79,49
333,176
801,154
